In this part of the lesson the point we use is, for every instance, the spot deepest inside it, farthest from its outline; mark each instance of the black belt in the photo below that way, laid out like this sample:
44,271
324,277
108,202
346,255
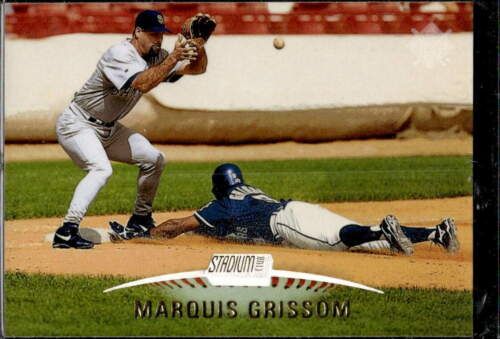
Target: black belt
100,122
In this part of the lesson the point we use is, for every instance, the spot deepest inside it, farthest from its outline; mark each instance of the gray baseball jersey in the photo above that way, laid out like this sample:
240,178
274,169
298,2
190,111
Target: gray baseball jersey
107,95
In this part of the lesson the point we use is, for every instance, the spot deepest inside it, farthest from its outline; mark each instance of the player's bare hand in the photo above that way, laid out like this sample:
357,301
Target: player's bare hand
181,41
184,50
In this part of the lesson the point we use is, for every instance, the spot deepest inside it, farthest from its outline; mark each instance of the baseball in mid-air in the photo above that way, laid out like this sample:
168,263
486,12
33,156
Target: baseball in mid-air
278,43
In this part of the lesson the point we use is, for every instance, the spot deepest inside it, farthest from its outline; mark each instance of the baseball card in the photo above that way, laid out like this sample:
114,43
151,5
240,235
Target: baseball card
244,169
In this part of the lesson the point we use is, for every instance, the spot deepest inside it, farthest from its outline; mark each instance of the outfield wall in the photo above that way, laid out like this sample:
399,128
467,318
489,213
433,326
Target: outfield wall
317,88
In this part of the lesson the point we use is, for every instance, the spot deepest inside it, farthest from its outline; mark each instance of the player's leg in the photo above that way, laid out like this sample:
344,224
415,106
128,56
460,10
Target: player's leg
443,234
310,226
372,238
85,149
133,148
418,234
88,153
395,235
354,235
389,234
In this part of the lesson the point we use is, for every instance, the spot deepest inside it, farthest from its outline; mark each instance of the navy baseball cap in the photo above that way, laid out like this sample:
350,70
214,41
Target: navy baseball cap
151,21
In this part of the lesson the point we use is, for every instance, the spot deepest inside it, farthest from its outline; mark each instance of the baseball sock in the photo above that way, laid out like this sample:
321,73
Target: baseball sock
353,235
417,234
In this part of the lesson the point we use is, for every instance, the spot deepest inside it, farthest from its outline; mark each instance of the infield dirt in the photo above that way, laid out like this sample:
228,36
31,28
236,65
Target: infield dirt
429,267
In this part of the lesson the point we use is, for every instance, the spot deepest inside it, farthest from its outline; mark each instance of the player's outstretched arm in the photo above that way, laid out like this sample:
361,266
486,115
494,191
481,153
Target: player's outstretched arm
174,227
153,76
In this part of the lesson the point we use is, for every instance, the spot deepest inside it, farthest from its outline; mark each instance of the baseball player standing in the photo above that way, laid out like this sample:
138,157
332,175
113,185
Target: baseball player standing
245,213
89,131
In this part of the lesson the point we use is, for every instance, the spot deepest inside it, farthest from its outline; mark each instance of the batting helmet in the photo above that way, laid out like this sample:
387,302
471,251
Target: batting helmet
224,177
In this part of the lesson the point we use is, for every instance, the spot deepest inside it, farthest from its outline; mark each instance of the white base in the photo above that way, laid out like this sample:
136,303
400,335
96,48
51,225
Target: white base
96,235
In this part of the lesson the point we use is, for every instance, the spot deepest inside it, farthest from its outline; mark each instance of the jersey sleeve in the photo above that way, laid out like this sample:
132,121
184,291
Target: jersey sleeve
213,215
120,63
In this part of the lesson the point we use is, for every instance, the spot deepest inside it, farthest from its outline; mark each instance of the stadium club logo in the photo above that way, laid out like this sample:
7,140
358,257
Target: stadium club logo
242,285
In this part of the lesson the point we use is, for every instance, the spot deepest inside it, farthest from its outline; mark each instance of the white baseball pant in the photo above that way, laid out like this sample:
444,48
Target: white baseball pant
310,226
92,146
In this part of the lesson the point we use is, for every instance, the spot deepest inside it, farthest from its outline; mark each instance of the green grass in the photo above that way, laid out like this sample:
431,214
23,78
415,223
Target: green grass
46,305
44,189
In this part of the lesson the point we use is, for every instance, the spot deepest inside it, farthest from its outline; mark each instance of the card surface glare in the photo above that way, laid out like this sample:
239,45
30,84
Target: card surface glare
239,169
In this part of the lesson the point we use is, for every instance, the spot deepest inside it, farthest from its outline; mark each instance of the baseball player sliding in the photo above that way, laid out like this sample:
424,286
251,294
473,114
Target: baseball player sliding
89,131
245,213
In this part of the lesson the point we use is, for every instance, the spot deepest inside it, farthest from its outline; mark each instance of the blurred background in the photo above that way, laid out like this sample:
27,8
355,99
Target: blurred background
349,70
41,20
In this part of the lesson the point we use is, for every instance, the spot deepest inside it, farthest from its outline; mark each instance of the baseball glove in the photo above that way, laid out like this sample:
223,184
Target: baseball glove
198,26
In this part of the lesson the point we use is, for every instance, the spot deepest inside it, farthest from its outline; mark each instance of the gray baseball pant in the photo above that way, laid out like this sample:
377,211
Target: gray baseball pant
92,146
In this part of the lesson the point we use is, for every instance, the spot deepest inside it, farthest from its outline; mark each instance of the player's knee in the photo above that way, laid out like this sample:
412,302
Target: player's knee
103,172
156,161
161,161
107,172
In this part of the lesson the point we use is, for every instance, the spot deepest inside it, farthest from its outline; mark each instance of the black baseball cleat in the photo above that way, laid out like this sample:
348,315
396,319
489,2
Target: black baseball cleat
446,235
138,226
394,234
120,232
141,224
68,236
